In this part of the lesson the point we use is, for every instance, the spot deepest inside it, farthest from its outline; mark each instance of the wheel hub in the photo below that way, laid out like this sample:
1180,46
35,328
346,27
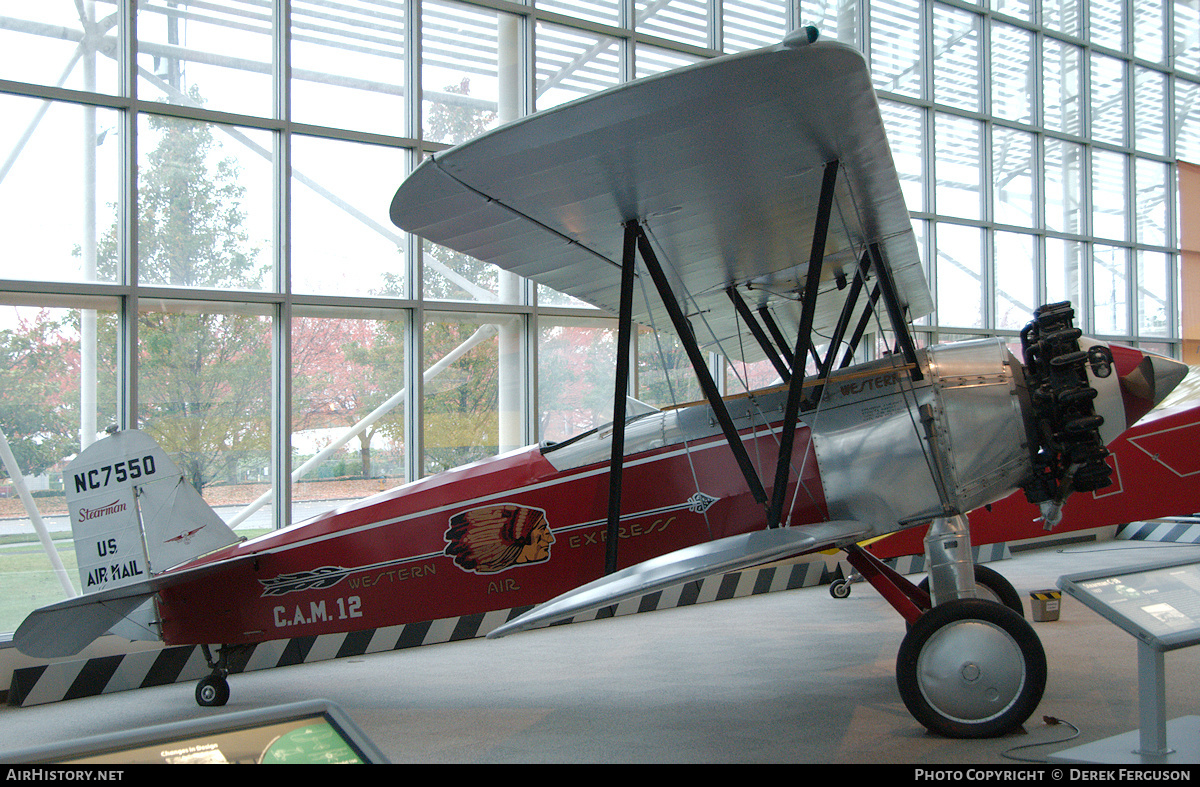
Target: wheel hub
971,671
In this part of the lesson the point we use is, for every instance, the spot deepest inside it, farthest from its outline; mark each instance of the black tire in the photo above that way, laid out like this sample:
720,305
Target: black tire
971,668
839,588
212,691
992,586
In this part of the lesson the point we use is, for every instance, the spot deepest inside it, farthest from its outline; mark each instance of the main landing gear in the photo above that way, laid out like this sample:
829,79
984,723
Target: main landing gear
971,668
989,584
968,667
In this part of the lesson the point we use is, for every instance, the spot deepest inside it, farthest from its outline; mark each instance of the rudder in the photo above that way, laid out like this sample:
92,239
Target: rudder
132,513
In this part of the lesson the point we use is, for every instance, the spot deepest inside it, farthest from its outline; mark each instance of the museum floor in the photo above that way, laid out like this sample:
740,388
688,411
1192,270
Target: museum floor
793,676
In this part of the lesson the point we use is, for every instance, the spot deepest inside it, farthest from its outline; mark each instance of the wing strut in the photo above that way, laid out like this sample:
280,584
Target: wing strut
773,327
684,330
839,331
860,329
848,307
804,344
620,396
895,311
636,241
759,335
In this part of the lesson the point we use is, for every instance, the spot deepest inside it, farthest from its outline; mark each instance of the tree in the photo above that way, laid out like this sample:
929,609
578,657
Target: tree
39,391
191,229
343,371
205,391
460,408
665,374
203,374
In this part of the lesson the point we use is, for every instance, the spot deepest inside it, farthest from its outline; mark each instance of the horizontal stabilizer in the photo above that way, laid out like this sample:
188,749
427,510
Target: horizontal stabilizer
67,627
713,557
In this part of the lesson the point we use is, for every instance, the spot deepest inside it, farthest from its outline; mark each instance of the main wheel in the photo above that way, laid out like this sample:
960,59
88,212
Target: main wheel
971,668
991,585
212,691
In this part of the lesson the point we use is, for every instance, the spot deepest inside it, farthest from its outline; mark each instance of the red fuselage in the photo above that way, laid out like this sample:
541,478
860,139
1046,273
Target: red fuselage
389,559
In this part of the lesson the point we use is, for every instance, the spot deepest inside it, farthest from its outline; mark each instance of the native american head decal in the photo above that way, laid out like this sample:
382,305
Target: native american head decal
495,538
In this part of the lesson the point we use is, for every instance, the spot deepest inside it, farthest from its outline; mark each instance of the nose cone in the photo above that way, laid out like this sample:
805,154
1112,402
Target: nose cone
1146,379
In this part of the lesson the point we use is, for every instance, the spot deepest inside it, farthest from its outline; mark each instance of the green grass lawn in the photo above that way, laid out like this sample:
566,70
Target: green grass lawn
27,580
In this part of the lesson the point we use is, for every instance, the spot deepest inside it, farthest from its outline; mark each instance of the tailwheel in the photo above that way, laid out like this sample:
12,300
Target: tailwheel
212,691
971,668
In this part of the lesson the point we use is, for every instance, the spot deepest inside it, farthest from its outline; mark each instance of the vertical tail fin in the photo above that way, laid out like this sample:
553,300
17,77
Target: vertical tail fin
132,513
133,516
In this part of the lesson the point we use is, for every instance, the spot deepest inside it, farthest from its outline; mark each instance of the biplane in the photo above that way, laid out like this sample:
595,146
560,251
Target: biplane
750,205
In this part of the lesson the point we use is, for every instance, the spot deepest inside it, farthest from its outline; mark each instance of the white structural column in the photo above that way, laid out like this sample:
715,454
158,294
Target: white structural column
511,372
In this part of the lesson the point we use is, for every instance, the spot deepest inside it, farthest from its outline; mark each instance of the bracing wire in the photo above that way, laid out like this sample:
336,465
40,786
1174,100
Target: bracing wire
687,295
671,392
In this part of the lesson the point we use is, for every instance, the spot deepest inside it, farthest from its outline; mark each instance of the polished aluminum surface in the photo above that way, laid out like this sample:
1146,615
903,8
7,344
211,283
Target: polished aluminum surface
980,426
720,161
950,560
971,671
894,452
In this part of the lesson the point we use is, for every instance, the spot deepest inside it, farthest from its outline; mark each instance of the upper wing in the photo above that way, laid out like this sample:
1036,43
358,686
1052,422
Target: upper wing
721,161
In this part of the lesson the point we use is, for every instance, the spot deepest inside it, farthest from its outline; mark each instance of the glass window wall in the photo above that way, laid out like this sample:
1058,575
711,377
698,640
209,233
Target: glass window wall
57,228
575,381
348,67
202,394
215,55
957,72
349,399
199,224
1013,87
342,239
205,205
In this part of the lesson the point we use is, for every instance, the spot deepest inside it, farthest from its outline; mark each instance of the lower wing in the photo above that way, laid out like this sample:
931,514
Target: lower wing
725,554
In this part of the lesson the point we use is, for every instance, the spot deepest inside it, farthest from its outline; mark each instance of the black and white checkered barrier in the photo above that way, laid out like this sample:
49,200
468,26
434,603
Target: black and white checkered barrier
106,674
915,564
88,677
1181,530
